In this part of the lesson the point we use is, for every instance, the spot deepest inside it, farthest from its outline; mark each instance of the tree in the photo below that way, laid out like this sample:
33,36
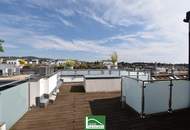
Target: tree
82,66
60,67
114,57
23,62
1,46
69,64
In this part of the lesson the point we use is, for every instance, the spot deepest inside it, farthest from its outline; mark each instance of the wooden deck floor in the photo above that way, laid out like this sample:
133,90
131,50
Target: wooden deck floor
72,105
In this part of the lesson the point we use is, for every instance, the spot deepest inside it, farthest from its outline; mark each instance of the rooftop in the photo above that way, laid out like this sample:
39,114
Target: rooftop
14,77
72,104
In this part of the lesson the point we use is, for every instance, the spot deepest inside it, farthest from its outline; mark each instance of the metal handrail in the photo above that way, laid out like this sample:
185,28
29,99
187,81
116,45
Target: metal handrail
163,80
106,70
152,80
12,83
143,86
133,78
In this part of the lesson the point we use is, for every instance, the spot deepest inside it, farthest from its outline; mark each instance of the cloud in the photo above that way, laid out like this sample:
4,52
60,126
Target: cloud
66,12
50,4
117,13
7,45
65,22
99,20
57,43
142,30
87,12
161,20
24,20
128,51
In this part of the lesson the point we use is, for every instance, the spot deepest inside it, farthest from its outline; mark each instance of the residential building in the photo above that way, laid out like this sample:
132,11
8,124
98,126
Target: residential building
13,62
109,64
44,70
1,60
34,61
60,62
9,70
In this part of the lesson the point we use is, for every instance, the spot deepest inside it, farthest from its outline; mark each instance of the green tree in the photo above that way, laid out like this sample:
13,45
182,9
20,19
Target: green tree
22,62
60,67
1,45
69,64
114,57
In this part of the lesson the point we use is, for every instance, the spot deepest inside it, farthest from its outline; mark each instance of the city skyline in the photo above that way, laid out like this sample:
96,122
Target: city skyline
138,30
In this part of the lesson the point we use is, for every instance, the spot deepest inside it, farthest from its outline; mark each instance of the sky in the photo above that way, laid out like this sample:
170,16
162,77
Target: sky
138,30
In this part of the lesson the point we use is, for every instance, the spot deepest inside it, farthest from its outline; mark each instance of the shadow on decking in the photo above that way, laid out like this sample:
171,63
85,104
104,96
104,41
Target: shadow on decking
109,106
77,89
118,118
115,115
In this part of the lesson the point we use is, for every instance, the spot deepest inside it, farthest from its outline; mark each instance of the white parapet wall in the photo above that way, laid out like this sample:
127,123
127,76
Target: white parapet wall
102,84
72,79
51,83
42,86
37,89
34,92
77,75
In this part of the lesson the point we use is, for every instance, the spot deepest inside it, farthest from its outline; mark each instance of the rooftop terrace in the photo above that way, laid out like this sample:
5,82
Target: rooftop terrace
15,77
72,104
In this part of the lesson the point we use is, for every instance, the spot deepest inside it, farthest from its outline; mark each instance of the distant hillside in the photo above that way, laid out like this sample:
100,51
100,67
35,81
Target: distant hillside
24,57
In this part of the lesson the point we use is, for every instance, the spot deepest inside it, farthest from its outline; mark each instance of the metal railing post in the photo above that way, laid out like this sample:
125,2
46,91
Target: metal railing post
142,114
122,97
109,71
102,72
121,88
170,97
29,93
75,72
137,74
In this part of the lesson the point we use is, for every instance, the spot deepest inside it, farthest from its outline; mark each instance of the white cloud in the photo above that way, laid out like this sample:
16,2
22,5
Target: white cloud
7,45
54,42
162,20
65,22
163,36
136,51
132,50
100,20
91,14
66,12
